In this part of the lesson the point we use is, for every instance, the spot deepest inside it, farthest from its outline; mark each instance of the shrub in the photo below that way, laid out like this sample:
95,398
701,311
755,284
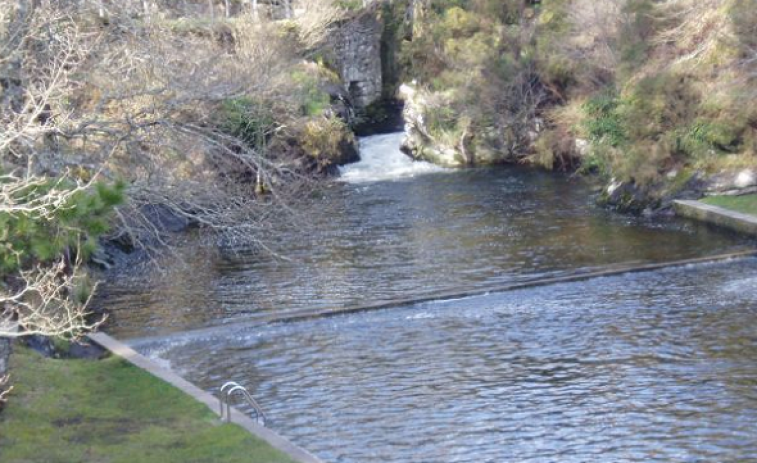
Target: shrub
25,237
603,121
441,121
635,34
545,148
350,5
458,23
743,15
248,120
704,136
660,103
313,100
322,137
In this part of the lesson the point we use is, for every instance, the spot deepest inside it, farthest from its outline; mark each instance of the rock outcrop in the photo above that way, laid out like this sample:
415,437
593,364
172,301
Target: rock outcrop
737,182
419,144
659,197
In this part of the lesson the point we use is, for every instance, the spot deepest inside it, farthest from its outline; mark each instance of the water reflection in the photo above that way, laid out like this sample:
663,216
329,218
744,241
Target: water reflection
371,242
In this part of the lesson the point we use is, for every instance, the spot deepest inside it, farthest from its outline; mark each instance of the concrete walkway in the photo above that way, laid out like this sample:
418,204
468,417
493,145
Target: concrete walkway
237,417
726,218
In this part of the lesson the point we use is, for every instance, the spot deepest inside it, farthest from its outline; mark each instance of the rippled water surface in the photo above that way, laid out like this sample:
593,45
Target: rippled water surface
648,367
655,366
401,230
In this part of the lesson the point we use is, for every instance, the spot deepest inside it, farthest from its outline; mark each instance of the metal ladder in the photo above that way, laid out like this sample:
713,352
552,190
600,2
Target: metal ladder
235,388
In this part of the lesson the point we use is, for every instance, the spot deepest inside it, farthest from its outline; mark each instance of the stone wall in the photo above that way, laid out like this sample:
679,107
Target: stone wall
357,49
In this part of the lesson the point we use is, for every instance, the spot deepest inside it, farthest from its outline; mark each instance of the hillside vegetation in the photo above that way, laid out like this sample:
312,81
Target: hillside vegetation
642,92
123,120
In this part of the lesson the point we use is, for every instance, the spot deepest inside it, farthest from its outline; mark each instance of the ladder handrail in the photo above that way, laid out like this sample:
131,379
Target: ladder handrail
250,401
221,395
225,398
229,383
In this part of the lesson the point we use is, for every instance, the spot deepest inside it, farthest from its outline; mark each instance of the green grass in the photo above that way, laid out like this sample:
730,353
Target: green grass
107,411
746,203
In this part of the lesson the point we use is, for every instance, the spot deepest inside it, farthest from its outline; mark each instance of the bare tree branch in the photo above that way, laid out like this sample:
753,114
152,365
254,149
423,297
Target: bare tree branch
46,303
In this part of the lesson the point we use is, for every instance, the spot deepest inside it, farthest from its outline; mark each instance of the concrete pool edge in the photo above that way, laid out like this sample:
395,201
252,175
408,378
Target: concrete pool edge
273,439
303,315
716,215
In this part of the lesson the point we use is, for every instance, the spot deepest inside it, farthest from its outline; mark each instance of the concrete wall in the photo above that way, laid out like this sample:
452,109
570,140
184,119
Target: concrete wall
736,221
274,440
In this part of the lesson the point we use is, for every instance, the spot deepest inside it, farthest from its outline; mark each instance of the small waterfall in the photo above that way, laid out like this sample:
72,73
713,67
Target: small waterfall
381,159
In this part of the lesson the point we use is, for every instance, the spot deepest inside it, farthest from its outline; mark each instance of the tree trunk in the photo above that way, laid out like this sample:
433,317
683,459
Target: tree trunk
254,9
5,353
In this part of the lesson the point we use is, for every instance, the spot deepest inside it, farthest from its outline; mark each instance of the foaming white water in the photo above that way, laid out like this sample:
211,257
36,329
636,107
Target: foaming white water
381,159
742,286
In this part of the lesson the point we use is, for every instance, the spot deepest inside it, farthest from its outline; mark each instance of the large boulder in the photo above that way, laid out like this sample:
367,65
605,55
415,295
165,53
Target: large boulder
628,197
734,182
419,143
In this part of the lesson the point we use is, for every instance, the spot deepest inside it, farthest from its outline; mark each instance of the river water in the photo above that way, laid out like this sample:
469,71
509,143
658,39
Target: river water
397,230
657,366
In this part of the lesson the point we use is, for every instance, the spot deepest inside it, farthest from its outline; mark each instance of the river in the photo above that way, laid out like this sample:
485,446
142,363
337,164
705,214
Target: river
656,366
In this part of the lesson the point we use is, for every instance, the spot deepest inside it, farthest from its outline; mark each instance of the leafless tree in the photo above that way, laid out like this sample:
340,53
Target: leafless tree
131,98
150,123
39,52
45,304
696,27
315,19
4,394
596,24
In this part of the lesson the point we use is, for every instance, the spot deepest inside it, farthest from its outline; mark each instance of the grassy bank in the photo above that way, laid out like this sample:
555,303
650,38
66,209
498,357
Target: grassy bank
109,411
746,204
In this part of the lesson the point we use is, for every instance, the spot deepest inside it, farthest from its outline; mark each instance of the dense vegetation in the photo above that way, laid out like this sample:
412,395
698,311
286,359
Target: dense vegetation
115,119
645,92
662,88
476,71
